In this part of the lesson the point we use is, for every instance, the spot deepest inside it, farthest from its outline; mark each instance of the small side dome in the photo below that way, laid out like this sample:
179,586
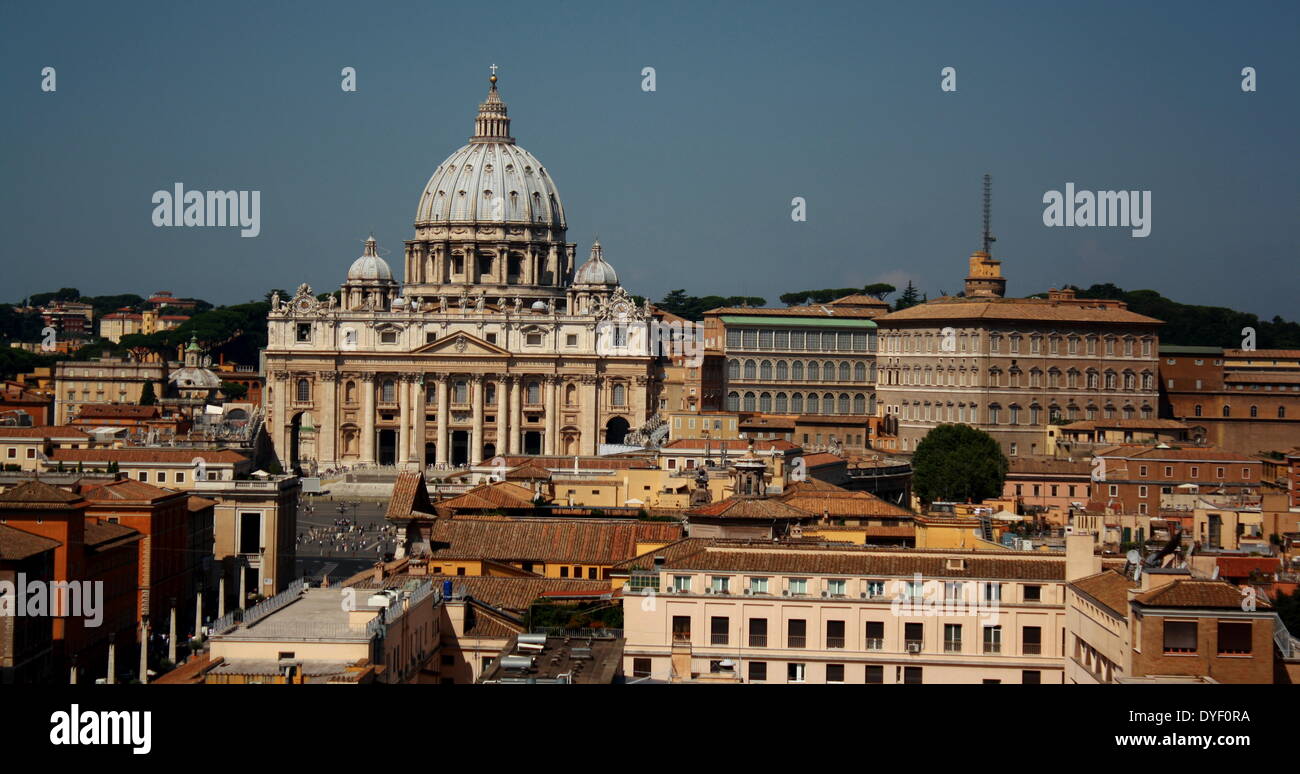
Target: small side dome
370,267
596,271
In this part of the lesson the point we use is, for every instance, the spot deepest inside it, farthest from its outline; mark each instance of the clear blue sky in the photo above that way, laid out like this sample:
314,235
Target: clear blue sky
689,186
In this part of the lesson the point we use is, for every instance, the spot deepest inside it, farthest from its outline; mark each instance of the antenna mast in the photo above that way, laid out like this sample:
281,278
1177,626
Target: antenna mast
989,239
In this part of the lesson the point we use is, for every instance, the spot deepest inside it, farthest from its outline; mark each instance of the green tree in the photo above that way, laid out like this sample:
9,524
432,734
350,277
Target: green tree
909,297
879,290
958,463
234,391
146,395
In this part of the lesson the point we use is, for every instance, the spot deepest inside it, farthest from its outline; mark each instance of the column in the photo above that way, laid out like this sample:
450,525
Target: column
476,438
444,437
404,420
419,404
367,419
552,415
279,426
590,406
503,415
516,413
328,432
637,400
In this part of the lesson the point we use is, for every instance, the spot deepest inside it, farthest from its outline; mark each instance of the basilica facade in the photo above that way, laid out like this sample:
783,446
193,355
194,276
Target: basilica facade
495,342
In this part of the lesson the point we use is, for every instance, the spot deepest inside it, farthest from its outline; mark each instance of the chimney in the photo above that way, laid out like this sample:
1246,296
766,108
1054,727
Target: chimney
1080,561
379,572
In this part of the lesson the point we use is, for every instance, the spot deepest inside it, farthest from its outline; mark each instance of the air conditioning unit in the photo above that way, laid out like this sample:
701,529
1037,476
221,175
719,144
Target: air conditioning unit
913,647
785,593
864,595
825,594
748,592
708,591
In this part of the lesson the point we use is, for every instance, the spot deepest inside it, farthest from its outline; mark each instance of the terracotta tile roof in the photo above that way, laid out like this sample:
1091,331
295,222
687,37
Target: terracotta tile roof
566,463
811,559
1197,593
1028,309
819,459
125,489
811,485
410,495
103,535
844,504
579,541
904,530
673,551
1109,588
1176,454
181,456
1241,566
749,508
1271,378
516,594
1046,466
482,624
528,472
43,431
38,494
117,411
1263,354
860,299
16,544
499,494
715,444
197,503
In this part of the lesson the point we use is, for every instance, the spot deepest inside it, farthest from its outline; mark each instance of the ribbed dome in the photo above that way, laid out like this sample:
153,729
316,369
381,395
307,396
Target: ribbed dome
491,180
596,271
370,267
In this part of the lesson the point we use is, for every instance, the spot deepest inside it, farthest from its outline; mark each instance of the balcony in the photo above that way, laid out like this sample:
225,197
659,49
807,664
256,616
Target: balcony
758,640
834,642
682,637
993,647
952,646
875,643
718,638
796,641
1032,649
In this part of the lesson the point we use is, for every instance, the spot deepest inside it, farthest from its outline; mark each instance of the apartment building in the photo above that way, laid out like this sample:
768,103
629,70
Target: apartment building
1147,480
1243,400
763,612
254,529
24,448
108,380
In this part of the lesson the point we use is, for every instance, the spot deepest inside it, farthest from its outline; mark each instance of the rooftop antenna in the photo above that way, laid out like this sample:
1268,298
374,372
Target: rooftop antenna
989,239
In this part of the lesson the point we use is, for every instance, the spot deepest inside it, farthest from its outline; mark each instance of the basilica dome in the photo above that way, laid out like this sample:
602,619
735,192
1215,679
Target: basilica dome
491,179
370,267
596,271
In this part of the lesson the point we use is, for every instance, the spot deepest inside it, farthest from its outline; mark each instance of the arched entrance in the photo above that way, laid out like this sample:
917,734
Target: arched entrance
489,451
616,430
387,447
295,440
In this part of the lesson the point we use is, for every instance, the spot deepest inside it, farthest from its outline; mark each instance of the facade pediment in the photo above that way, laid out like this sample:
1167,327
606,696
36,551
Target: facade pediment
460,343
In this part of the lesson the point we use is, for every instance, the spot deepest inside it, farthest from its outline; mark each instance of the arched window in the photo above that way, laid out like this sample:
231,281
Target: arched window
350,392
765,371
796,371
828,371
1227,412
388,391
796,403
782,371
618,395
782,403
733,369
812,403
844,403
749,401
571,394
765,402
828,404
844,371
814,371
1254,411
1281,412
751,370
1196,410
733,401
304,391
860,372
